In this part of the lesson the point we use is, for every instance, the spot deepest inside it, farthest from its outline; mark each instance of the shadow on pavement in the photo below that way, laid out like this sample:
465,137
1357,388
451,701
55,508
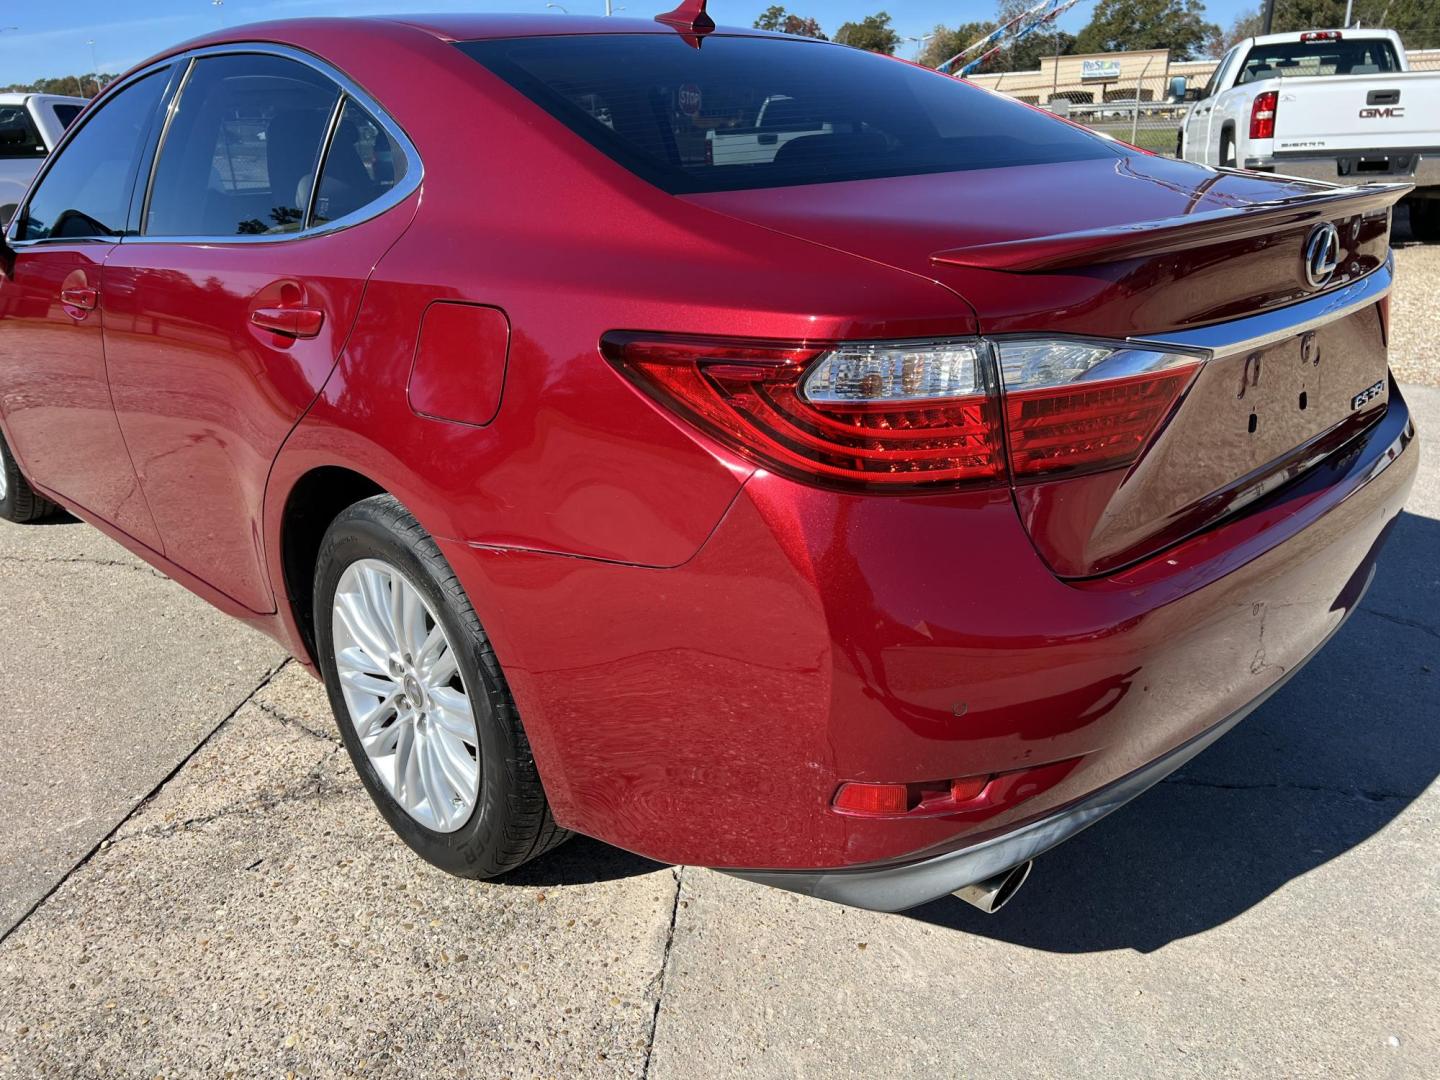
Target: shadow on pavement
581,861
1327,763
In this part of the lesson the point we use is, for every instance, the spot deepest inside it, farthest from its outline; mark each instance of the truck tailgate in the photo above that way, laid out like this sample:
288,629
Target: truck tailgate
1359,112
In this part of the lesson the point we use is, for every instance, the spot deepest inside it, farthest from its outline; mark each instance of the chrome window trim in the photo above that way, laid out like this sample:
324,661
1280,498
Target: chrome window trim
1281,324
171,108
324,158
349,90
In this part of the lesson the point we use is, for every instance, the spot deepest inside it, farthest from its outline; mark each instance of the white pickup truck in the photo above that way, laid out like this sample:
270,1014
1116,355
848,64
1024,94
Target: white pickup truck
30,126
1337,105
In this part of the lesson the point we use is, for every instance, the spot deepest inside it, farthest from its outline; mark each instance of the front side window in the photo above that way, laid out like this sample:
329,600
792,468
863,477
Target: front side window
19,137
750,112
86,192
243,146
361,165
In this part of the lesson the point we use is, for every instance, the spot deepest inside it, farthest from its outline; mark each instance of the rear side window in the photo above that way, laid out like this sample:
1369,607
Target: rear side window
745,112
361,165
66,114
86,192
242,149
19,138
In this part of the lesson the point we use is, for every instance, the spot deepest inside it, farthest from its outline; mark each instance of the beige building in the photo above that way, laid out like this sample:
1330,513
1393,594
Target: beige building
1093,78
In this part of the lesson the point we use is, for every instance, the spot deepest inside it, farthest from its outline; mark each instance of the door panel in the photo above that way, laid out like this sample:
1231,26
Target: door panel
216,344
53,391
205,396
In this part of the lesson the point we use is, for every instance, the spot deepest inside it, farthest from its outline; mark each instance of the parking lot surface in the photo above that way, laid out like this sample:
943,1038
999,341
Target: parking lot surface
193,883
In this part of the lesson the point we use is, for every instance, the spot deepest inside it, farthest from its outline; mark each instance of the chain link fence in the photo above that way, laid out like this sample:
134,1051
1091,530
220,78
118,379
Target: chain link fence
1128,95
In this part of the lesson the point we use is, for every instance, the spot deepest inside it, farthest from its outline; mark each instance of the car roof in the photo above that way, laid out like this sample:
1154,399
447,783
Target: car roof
473,27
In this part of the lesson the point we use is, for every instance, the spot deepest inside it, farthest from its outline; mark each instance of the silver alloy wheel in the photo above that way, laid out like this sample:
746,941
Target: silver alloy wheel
4,479
404,694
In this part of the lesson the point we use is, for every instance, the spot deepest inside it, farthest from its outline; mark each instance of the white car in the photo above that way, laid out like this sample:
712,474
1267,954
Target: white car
1337,105
30,126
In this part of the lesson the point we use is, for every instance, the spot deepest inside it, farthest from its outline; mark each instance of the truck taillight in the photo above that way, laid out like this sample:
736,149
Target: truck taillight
1262,115
900,415
1320,35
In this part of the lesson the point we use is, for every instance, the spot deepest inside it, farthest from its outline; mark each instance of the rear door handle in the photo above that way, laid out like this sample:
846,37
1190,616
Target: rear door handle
289,321
84,297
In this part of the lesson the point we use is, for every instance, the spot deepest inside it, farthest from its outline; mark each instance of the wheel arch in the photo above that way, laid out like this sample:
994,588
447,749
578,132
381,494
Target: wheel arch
314,500
1227,128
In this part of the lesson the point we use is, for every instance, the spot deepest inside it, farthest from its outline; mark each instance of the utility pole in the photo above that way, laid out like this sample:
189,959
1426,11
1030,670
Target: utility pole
1349,9
1269,17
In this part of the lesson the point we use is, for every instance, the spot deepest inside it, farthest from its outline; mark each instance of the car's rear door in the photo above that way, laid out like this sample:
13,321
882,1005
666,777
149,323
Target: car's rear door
53,391
227,312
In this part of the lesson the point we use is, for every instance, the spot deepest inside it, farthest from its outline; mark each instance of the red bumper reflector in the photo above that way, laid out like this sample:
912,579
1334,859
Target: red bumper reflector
937,798
930,797
873,798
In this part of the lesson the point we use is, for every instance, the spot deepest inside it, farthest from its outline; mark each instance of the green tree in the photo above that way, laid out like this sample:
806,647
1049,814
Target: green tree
778,19
945,42
873,32
1418,21
1119,25
1023,55
86,86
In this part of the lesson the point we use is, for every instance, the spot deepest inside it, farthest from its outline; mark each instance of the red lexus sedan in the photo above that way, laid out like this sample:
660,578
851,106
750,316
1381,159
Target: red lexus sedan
749,451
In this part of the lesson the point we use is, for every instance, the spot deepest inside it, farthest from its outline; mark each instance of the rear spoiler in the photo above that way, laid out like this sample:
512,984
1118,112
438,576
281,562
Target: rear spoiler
1115,243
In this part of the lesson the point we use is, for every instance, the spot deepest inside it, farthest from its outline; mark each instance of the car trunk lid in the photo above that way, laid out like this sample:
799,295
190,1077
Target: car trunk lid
1144,250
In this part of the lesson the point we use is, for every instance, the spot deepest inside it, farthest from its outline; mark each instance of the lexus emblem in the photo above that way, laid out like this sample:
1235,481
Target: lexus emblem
1322,254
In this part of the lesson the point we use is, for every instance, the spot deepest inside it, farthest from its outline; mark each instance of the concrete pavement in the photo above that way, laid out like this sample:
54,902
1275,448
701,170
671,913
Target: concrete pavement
1273,910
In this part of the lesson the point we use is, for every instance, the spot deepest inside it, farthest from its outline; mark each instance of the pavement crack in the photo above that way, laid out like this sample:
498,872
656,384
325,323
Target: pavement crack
73,560
140,804
1401,620
294,721
1324,789
315,787
658,983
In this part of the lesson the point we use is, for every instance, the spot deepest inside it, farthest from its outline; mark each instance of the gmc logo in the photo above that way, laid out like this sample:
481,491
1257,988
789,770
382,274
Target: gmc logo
1389,112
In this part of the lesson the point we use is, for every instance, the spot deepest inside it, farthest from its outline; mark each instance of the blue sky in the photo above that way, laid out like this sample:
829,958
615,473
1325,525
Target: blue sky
52,38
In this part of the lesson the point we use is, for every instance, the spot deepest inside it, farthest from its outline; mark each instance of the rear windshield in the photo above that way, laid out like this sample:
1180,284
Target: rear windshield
746,112
1292,60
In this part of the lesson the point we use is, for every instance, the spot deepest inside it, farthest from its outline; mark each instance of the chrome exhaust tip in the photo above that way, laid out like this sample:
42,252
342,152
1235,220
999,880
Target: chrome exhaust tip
994,893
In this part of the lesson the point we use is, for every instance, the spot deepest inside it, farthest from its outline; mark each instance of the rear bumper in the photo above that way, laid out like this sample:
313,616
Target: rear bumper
1420,165
706,714
907,885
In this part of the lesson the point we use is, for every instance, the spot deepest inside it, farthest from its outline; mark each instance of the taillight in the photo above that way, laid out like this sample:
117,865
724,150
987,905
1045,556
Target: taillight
885,415
1262,115
899,415
1080,406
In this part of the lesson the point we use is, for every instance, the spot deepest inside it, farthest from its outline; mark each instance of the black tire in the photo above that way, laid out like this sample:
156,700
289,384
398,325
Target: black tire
1180,143
20,503
1425,219
1227,149
511,822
